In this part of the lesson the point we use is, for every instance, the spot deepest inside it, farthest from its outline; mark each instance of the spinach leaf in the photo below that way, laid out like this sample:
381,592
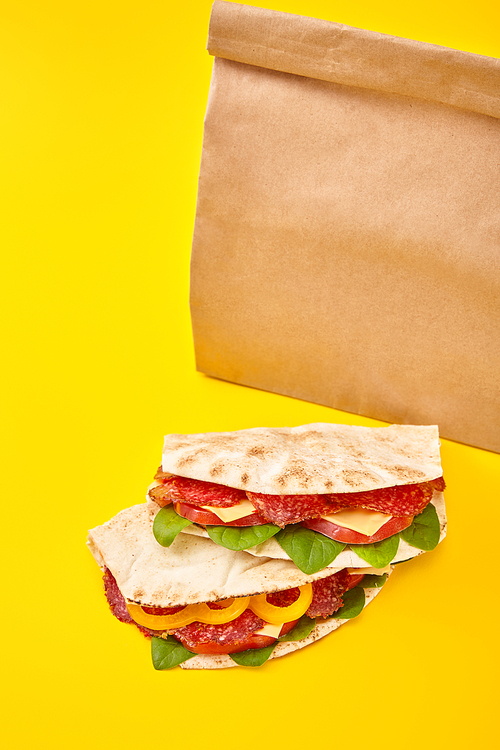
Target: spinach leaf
241,537
301,630
373,582
168,652
254,657
354,601
309,550
425,530
167,525
378,554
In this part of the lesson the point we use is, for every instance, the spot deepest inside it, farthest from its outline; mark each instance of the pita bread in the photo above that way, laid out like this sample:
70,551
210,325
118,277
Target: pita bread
311,459
194,570
347,558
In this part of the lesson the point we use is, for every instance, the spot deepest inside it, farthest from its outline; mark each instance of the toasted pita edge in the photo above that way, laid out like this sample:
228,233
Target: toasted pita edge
223,661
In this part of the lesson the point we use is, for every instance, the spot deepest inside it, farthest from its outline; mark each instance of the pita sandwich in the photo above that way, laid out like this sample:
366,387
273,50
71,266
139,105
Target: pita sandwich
322,495
232,592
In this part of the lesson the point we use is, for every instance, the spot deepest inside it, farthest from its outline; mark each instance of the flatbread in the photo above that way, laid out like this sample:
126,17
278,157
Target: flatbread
310,459
222,661
192,570
347,558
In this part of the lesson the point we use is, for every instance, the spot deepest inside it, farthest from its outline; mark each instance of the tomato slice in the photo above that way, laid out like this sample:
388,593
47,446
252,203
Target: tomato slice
341,534
354,580
253,641
207,518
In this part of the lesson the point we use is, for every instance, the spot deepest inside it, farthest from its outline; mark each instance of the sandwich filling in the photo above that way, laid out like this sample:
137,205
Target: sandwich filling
240,519
248,623
402,501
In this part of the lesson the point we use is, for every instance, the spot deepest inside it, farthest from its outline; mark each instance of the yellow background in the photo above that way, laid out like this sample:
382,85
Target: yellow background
102,106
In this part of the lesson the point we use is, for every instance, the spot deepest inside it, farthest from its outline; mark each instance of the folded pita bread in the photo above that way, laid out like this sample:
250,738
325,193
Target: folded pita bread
311,459
191,571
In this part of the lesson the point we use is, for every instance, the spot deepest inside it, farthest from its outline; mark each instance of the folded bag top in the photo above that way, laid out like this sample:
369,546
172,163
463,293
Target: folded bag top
346,243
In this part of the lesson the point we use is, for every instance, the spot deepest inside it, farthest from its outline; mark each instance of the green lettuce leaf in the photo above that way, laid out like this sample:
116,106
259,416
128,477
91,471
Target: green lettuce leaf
378,554
241,537
354,601
301,630
254,657
168,652
373,582
167,525
425,530
309,550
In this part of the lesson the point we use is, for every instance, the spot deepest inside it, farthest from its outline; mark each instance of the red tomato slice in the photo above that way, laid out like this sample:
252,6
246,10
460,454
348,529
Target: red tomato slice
354,580
253,641
207,518
341,534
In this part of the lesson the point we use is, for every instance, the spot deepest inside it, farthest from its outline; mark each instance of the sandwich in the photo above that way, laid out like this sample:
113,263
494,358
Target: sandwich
321,495
204,606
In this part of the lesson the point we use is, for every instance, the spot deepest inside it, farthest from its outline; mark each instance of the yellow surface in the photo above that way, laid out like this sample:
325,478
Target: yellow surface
102,106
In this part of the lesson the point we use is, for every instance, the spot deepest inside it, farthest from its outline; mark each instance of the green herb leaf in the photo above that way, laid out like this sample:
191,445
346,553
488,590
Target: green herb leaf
300,631
309,550
254,657
241,537
378,554
167,525
354,601
168,652
373,582
425,530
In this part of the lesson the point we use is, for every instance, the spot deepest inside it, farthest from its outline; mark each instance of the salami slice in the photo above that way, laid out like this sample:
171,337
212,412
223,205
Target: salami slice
283,598
232,632
403,500
327,594
194,492
118,606
284,509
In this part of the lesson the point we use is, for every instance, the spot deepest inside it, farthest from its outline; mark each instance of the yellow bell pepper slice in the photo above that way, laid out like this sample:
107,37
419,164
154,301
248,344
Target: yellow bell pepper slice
276,615
233,609
163,622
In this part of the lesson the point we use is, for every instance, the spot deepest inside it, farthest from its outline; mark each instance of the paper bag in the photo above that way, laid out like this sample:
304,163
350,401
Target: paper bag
347,239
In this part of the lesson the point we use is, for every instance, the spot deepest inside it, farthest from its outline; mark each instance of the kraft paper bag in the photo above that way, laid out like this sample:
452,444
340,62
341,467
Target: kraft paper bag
347,239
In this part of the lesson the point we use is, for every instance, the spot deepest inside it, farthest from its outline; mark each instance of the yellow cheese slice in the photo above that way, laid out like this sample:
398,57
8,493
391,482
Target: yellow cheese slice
245,508
369,571
271,630
359,519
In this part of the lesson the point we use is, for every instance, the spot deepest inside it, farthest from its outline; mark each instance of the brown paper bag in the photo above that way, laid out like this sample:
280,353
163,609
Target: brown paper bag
347,239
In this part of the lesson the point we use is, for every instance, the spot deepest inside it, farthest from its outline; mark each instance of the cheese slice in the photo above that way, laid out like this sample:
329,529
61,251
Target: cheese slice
245,508
272,630
363,521
369,571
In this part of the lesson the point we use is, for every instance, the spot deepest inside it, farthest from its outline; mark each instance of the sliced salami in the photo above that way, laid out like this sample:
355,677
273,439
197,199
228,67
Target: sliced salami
403,500
283,598
327,594
284,509
118,606
232,632
194,492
